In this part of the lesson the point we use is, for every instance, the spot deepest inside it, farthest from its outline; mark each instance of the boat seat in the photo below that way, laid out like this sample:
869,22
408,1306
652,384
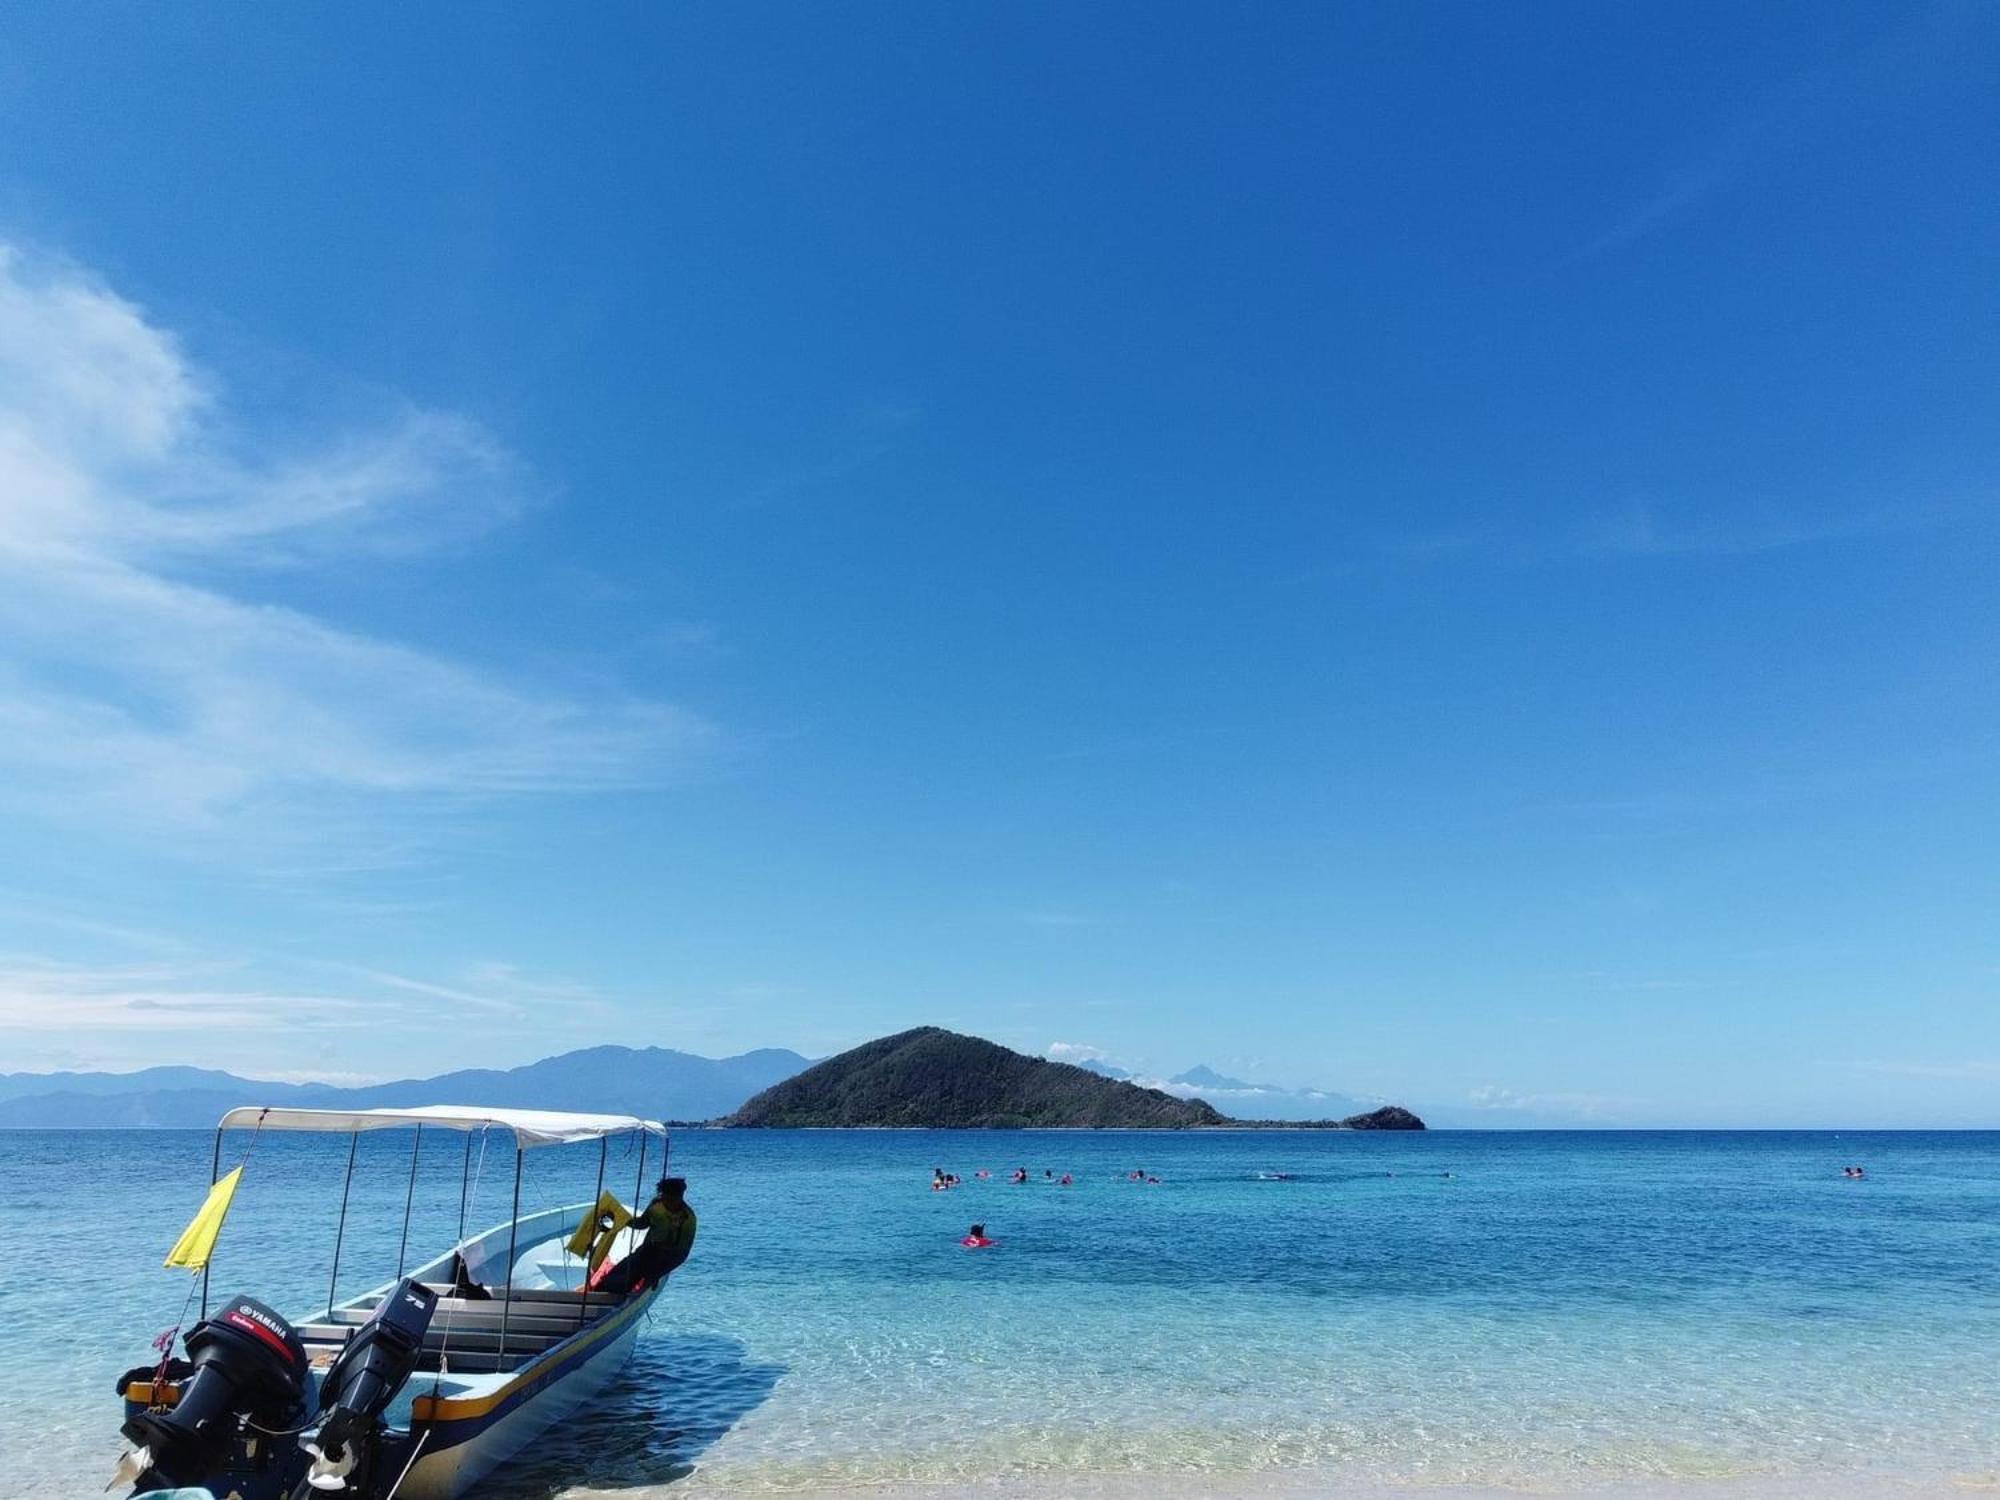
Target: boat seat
560,1294
461,1314
452,1340
444,1290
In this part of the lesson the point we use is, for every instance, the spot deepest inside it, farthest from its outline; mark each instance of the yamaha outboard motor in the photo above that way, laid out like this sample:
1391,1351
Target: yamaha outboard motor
363,1381
247,1364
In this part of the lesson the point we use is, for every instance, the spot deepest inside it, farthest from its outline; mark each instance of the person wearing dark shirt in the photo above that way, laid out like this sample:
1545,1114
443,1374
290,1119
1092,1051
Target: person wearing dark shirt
670,1227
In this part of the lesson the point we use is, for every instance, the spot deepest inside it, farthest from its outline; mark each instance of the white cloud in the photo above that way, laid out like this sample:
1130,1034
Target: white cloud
500,989
1578,1105
1963,1068
235,1012
1075,1052
133,688
1048,916
41,996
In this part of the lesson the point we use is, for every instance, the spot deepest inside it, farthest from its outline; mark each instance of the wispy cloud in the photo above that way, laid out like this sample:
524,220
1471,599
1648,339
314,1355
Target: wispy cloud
1958,1068
864,438
501,989
1579,1105
1649,531
1666,532
1052,916
235,1010
1752,134
134,688
20,911
42,996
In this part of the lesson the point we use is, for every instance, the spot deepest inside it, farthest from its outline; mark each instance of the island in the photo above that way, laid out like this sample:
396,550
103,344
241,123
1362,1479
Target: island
933,1079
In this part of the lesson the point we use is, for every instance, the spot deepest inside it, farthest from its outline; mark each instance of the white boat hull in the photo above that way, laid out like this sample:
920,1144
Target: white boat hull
466,1439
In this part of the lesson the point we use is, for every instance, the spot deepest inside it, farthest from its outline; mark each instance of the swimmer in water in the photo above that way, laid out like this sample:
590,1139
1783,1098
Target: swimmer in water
975,1239
1020,1175
1067,1180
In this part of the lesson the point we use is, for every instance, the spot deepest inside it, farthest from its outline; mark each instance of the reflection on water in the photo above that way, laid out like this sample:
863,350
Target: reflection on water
679,1395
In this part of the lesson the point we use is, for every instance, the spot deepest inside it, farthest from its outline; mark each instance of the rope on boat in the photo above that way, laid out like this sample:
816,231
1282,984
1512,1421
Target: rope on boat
415,1448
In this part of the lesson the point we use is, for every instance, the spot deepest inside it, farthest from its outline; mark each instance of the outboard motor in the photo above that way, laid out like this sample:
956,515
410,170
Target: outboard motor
247,1363
363,1381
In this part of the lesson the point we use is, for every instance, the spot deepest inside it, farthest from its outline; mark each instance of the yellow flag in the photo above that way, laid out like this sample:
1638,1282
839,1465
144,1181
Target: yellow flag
197,1242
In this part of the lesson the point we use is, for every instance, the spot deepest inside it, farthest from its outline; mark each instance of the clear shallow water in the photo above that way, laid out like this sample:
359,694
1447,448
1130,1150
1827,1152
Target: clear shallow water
1563,1312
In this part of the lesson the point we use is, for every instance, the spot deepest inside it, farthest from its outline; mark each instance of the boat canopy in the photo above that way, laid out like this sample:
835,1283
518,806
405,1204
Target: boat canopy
531,1127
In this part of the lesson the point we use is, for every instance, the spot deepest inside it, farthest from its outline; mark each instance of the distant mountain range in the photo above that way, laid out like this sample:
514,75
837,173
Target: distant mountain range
655,1082
930,1078
927,1076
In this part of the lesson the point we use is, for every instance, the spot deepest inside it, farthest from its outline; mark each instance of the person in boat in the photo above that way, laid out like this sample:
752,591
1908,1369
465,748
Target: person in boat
975,1238
670,1227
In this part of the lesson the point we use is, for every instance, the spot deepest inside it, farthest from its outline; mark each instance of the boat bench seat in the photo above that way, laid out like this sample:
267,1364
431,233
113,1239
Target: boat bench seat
467,1326
482,1314
558,1295
452,1340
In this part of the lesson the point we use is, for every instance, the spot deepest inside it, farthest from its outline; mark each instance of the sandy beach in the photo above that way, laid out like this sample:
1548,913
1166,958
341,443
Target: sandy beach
1299,1486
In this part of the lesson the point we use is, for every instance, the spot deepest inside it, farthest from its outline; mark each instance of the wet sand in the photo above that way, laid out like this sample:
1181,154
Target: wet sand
1300,1486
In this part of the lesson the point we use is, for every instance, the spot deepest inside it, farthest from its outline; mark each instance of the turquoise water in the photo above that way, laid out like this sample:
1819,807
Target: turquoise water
1563,1312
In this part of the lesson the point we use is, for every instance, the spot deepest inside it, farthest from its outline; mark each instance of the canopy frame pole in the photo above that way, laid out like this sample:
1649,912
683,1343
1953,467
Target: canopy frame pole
340,1233
403,1245
464,1181
583,1292
214,1172
513,1229
639,1185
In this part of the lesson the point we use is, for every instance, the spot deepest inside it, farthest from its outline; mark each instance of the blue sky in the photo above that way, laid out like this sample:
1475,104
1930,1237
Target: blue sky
1441,552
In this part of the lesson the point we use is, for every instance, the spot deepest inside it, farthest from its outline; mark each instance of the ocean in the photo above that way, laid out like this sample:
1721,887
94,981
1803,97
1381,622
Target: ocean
1297,1312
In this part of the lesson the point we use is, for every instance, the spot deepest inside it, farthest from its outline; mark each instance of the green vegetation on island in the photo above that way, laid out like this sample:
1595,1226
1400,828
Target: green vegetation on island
930,1078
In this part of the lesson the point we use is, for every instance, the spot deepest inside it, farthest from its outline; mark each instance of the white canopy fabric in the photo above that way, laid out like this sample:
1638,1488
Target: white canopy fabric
531,1127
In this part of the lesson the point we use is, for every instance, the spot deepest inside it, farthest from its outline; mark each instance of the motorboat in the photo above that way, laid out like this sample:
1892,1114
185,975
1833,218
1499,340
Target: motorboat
415,1389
